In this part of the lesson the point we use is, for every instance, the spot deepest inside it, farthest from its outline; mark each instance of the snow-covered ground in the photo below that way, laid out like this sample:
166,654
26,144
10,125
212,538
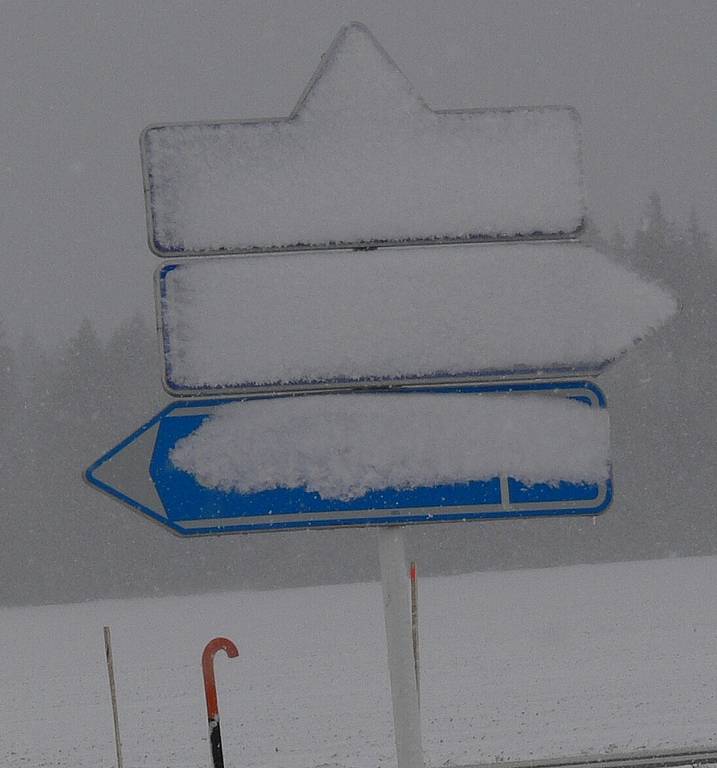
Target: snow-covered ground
522,664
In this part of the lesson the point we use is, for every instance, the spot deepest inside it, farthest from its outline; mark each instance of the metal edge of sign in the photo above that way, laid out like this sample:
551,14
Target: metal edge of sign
578,388
91,479
358,385
568,387
157,248
427,516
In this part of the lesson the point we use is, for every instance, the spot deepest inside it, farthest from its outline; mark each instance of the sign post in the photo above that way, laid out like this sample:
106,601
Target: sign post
401,667
466,316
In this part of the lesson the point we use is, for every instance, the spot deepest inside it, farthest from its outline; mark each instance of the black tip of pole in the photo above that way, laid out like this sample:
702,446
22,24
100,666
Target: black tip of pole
215,742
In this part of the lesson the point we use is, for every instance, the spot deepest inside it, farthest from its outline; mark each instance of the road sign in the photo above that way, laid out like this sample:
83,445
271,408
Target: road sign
139,472
414,314
362,160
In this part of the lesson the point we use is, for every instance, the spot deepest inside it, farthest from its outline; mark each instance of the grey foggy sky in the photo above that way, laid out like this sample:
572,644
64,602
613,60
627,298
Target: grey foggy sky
80,79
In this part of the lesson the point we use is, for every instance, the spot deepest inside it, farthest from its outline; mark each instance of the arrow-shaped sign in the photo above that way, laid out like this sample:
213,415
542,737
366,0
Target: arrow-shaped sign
361,160
145,472
441,313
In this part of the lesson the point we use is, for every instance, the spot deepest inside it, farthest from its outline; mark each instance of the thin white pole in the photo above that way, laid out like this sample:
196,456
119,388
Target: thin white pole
113,694
401,667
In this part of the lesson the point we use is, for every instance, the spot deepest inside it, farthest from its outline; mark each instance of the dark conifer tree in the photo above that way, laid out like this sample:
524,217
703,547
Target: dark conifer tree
8,384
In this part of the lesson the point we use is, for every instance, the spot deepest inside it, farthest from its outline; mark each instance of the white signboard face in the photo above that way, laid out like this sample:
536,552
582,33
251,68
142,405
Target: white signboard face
362,160
399,315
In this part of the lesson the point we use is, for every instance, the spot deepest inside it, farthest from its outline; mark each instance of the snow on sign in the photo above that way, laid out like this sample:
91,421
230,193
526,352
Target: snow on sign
398,315
281,462
362,160
392,385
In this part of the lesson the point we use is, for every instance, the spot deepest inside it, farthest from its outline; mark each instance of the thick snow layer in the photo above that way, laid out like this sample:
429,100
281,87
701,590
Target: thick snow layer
514,665
400,313
343,446
362,158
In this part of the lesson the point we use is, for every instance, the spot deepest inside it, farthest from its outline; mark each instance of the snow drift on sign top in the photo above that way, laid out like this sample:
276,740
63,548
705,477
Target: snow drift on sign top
342,447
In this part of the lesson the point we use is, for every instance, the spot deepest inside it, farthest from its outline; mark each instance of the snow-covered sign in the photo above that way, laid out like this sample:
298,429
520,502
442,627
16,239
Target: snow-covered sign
372,458
399,315
362,160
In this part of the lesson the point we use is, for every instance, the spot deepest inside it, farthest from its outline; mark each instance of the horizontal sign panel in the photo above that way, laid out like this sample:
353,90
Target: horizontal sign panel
401,315
362,160
410,456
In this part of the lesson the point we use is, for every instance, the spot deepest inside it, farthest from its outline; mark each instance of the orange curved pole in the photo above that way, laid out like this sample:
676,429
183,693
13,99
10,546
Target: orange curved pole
210,691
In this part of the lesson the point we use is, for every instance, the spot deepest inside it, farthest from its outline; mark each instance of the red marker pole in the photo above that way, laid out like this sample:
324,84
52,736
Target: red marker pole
414,627
210,691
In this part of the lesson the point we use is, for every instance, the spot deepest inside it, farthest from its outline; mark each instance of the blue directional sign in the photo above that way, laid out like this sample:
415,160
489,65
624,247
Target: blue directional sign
140,473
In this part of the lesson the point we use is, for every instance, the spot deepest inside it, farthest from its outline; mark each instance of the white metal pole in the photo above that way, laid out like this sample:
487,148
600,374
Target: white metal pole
397,616
113,694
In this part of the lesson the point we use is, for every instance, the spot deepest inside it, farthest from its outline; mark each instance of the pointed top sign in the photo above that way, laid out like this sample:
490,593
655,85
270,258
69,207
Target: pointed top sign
378,89
362,160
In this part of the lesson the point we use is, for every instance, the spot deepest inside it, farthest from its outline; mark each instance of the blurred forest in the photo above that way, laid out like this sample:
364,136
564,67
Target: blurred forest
62,408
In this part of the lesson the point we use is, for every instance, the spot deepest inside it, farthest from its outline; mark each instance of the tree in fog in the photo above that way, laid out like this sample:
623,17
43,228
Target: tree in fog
9,404
77,401
674,406
8,383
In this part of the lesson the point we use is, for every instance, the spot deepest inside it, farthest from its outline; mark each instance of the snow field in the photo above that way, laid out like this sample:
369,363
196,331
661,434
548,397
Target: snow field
523,664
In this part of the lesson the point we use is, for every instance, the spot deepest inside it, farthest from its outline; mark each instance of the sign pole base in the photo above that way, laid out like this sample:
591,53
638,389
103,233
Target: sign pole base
397,616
